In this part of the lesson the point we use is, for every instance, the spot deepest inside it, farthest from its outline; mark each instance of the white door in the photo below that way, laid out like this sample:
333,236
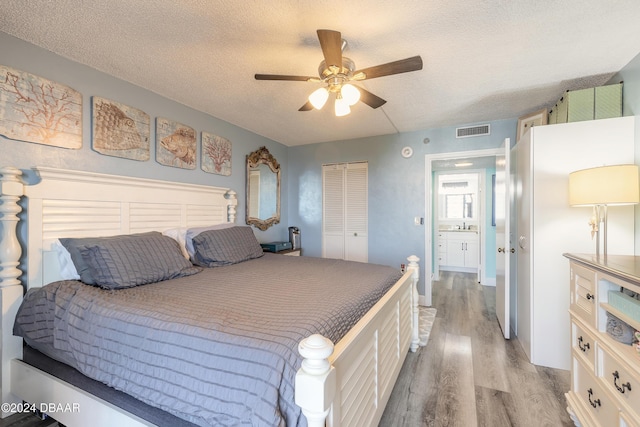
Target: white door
503,244
356,240
332,212
345,211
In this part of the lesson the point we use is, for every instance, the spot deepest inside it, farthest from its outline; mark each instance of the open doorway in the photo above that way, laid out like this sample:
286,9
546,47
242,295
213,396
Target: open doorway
457,220
479,160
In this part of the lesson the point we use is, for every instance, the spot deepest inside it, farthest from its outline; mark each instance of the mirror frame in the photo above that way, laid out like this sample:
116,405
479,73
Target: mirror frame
262,157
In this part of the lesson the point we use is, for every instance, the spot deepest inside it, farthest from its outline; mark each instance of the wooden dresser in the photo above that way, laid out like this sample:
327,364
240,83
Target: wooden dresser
605,374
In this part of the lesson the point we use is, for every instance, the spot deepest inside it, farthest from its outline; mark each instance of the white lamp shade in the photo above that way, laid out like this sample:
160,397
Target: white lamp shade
342,107
607,185
319,97
350,93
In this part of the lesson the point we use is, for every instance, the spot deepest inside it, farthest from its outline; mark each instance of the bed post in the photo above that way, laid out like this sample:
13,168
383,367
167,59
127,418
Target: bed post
415,315
315,385
231,206
11,291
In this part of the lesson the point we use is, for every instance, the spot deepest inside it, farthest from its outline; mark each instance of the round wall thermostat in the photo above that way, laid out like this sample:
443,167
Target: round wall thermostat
407,152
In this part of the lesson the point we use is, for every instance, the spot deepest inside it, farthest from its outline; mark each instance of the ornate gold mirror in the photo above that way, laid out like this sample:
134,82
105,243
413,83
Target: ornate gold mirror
263,189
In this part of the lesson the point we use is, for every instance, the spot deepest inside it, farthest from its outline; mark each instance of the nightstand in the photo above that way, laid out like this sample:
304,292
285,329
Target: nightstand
291,252
282,248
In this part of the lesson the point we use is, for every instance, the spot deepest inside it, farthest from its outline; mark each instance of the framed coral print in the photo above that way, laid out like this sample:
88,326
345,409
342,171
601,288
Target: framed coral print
120,130
34,109
528,121
216,154
175,144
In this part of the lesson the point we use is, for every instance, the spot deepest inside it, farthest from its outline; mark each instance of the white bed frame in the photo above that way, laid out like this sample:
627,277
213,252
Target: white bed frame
345,385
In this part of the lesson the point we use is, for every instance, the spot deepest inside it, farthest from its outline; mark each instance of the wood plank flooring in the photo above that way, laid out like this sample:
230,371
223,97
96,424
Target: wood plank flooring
468,375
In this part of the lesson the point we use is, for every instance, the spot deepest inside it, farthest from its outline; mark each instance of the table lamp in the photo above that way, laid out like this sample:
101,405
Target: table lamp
602,187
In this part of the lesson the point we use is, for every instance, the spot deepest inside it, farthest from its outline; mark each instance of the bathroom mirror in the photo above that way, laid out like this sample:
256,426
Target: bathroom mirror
457,196
263,189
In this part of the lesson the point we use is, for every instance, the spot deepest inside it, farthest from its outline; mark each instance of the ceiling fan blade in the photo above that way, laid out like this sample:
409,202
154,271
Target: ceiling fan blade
370,99
331,44
396,67
306,107
283,77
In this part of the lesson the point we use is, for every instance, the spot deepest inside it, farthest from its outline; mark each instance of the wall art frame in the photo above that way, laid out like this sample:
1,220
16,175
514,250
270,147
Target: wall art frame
175,144
39,110
120,130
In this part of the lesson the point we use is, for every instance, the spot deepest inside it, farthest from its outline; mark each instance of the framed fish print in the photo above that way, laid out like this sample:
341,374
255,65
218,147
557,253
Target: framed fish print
216,154
175,144
120,130
35,109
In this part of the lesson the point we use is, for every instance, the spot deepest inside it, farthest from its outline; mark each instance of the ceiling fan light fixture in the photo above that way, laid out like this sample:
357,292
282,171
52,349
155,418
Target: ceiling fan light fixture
341,106
350,93
319,97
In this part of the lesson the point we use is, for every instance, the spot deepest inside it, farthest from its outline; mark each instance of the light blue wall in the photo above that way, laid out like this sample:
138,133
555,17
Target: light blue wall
630,75
396,186
23,56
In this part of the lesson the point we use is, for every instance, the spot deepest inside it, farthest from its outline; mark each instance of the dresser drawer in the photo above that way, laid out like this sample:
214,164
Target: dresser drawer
621,381
583,293
583,344
592,396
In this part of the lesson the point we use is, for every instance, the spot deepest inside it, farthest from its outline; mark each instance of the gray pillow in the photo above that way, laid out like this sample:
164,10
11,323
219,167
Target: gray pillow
129,262
214,248
72,245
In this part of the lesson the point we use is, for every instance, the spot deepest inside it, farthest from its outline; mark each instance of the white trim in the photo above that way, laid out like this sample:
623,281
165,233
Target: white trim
428,245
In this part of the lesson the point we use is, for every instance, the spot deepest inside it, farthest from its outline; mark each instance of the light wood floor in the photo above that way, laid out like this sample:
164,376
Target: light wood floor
469,375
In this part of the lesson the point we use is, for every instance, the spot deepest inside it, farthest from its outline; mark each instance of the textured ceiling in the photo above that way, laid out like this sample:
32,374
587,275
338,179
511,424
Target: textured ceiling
483,59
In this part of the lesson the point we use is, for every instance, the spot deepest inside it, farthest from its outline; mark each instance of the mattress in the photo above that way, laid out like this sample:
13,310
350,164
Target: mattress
215,348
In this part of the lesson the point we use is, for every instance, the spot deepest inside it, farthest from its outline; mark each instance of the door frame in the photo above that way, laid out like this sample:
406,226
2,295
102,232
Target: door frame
429,232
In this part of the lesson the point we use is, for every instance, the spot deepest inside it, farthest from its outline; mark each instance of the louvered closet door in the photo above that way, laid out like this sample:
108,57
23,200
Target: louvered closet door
345,215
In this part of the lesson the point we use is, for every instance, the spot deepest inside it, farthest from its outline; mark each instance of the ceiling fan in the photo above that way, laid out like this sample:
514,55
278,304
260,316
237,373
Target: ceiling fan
337,72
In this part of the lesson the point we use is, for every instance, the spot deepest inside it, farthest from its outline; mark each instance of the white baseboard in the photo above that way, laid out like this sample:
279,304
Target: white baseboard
422,300
490,281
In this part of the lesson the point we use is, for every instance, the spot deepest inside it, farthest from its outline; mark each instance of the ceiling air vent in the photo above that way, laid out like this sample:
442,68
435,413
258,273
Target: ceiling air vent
470,131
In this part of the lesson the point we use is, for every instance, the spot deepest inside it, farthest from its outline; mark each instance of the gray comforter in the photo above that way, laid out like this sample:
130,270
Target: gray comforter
216,348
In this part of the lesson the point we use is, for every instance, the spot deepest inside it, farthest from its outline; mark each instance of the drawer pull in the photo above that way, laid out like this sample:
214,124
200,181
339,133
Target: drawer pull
616,377
584,347
590,297
594,403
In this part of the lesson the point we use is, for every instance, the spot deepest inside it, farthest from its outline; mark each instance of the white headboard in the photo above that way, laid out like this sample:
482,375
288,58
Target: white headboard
68,203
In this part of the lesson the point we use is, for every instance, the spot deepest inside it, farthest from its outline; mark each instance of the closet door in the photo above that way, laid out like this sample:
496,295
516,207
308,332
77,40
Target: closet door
345,216
333,211
356,239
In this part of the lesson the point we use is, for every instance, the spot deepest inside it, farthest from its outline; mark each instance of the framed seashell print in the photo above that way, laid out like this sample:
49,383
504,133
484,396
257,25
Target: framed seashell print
216,154
120,130
35,109
175,144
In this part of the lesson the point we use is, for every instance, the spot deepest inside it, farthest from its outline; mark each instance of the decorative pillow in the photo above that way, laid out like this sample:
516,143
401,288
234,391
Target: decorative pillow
82,268
193,232
127,262
214,248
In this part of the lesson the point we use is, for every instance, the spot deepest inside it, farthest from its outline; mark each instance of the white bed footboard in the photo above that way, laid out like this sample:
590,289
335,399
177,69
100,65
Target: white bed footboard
350,385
